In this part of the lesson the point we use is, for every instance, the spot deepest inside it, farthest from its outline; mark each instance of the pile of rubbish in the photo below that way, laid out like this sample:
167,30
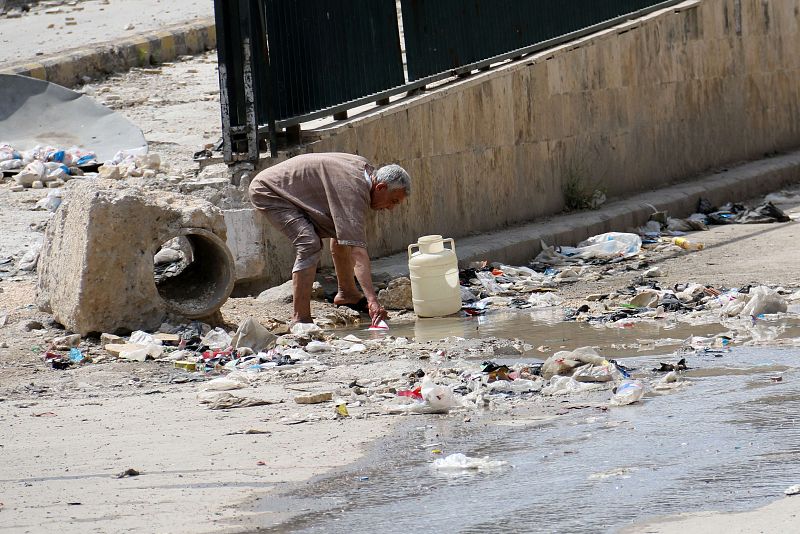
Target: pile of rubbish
199,347
660,224
45,166
485,285
238,358
51,167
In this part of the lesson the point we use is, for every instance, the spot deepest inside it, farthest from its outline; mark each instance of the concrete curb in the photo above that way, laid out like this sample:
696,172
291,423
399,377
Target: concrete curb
140,50
520,244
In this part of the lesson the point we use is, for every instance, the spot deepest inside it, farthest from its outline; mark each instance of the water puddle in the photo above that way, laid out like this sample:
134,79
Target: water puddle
729,441
546,329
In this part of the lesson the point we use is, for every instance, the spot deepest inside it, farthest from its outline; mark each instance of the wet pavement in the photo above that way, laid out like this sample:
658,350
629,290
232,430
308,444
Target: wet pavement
727,441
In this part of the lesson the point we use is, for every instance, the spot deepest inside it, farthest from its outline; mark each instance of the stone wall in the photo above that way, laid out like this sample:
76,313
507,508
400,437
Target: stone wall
636,107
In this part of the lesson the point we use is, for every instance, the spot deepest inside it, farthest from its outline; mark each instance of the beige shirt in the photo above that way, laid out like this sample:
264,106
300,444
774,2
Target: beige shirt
329,188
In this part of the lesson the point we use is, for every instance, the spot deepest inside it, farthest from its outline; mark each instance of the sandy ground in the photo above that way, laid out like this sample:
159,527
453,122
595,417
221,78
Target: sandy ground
780,516
67,435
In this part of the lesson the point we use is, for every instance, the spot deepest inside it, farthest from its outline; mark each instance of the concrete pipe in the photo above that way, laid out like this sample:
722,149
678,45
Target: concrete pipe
205,284
97,271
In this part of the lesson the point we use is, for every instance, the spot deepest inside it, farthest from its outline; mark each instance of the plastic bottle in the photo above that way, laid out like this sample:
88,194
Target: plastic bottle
433,269
686,244
628,392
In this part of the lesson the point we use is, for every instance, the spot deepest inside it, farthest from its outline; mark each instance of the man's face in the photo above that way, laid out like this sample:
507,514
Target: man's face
381,198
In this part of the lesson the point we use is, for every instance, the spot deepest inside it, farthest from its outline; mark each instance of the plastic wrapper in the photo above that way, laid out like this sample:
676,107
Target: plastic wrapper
236,380
763,300
628,392
566,385
217,339
605,372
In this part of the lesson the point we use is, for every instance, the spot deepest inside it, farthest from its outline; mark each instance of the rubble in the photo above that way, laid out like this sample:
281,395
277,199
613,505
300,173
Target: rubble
397,295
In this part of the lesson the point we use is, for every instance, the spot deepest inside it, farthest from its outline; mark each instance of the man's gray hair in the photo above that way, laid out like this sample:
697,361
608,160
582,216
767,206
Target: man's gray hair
395,177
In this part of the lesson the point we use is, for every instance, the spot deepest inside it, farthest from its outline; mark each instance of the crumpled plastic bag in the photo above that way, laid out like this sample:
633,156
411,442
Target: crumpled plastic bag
217,339
603,247
141,337
628,392
564,362
435,399
764,300
760,300
143,345
565,385
227,383
253,335
605,372
35,171
488,282
51,202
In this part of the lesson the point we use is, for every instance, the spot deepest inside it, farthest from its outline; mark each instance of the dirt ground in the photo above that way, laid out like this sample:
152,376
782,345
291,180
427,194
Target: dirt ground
70,433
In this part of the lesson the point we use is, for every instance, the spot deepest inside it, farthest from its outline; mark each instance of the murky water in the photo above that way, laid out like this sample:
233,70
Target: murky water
729,441
546,328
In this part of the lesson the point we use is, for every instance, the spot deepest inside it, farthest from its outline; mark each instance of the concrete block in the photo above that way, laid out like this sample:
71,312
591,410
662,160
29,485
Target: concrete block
245,240
96,266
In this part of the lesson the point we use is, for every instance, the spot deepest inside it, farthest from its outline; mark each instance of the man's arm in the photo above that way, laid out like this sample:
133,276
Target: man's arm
363,274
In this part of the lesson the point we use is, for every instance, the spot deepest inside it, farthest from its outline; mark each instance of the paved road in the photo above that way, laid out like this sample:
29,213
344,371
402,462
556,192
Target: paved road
39,34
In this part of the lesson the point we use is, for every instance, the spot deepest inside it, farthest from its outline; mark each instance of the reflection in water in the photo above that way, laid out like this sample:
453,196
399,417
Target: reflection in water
716,444
547,328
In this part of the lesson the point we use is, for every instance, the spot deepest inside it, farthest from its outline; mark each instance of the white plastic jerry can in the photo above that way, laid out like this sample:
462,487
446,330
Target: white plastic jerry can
433,269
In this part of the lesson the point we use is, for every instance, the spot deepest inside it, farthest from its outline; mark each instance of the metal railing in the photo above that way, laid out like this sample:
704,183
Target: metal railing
284,62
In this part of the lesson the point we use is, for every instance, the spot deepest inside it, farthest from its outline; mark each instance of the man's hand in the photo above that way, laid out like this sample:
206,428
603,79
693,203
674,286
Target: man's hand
364,276
376,312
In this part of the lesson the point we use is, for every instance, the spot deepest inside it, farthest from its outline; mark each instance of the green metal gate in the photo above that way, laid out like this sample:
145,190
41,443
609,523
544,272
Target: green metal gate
284,62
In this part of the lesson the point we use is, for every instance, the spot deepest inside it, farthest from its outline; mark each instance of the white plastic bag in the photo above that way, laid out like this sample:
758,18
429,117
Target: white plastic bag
607,246
565,385
51,202
605,372
437,396
628,392
228,383
435,399
764,300
217,339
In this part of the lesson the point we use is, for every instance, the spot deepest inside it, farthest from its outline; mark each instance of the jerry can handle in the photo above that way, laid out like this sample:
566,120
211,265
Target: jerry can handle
410,247
452,244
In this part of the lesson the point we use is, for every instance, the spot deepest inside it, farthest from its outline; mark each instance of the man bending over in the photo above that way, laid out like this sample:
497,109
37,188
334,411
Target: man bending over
315,196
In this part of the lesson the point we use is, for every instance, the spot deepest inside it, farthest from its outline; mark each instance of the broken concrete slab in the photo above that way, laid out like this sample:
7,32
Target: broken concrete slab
96,268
